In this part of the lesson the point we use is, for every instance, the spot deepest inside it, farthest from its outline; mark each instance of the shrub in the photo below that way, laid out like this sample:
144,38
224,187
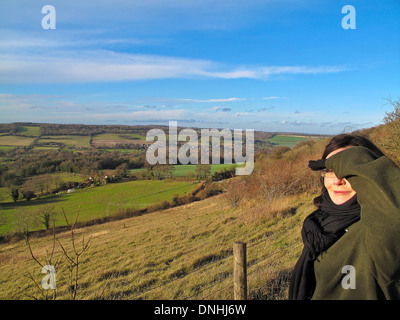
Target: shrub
28,194
175,200
224,174
125,213
159,206
210,189
234,192
387,136
14,194
275,180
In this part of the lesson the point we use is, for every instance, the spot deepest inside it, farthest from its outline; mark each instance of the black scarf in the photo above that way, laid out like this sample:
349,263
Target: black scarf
321,229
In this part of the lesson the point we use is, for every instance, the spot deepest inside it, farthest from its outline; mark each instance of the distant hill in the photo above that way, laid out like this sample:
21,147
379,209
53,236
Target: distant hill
85,129
79,136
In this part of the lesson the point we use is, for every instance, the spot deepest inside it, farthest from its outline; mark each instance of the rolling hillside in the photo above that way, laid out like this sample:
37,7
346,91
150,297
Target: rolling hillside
179,253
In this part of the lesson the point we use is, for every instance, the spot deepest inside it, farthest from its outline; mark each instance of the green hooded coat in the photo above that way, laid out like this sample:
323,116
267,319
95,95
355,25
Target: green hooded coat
365,262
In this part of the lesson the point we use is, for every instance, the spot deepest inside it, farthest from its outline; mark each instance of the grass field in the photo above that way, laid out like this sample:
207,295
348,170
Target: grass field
286,141
92,203
111,139
28,131
180,253
69,141
6,148
183,169
16,141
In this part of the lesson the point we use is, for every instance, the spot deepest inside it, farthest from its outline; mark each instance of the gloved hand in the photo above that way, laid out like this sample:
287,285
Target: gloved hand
316,165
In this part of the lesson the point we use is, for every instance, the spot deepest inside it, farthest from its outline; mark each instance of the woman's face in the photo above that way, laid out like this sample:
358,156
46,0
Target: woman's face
339,190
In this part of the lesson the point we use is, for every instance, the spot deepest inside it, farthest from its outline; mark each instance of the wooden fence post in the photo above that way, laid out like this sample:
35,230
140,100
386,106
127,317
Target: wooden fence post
239,271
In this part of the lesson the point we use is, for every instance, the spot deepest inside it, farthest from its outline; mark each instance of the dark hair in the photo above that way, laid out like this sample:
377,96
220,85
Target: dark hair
341,141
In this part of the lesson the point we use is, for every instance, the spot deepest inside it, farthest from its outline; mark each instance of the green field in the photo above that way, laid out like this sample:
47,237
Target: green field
6,148
69,141
183,169
15,141
118,136
286,141
28,131
92,203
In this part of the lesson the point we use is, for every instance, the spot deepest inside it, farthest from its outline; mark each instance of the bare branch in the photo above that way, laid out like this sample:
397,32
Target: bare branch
29,276
76,218
65,217
65,252
30,250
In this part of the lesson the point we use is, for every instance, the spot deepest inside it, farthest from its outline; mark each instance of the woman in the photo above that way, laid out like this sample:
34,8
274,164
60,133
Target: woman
352,241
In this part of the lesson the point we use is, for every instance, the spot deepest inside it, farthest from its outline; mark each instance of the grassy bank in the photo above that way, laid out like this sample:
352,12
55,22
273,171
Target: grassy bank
179,253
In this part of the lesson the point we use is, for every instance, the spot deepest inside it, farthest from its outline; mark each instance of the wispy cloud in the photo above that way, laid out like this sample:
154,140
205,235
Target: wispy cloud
271,98
96,66
103,65
61,109
212,100
265,73
17,41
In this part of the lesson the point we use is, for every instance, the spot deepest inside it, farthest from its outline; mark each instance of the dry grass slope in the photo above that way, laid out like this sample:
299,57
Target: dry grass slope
179,253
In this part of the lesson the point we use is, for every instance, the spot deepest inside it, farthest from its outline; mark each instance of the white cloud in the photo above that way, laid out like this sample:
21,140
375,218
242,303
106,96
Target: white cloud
212,100
63,109
271,98
241,114
17,41
103,66
94,66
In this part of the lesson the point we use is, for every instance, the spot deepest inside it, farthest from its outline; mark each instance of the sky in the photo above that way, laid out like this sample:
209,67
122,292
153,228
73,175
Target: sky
270,65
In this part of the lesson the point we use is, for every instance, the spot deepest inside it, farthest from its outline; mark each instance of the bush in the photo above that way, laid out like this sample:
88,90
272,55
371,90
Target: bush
14,194
125,213
235,191
175,200
387,136
159,206
224,174
276,179
28,194
211,189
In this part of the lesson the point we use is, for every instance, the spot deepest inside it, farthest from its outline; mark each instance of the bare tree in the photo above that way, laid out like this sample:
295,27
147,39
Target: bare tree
71,256
49,261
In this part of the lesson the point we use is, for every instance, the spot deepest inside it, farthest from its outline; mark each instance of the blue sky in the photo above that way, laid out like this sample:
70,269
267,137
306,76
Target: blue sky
271,65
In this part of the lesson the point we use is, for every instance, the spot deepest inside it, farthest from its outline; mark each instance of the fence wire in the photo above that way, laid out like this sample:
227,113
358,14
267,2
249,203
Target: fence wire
268,273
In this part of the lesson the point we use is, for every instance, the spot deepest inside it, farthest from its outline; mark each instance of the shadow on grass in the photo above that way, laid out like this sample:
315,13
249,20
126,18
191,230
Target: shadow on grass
31,203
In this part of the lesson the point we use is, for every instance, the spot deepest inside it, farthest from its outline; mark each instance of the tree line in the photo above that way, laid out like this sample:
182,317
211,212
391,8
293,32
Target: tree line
17,167
50,129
